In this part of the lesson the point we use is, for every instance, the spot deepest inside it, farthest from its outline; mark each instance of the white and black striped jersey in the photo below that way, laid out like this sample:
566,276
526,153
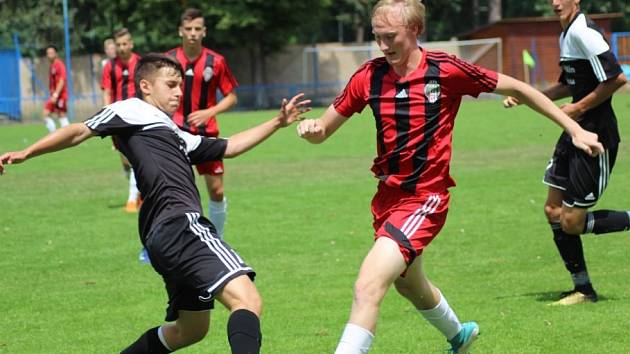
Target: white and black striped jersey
586,60
161,155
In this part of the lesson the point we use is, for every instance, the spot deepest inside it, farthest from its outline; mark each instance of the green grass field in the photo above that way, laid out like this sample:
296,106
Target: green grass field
70,281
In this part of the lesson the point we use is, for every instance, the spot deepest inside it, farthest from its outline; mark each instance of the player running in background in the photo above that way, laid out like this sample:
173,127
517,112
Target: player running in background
58,100
590,75
204,72
414,95
117,83
195,264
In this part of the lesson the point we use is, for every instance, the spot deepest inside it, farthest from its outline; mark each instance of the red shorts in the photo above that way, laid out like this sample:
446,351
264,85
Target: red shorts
411,220
56,107
212,168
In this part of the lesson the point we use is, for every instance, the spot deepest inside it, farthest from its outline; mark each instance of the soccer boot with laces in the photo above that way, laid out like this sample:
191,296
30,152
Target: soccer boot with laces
461,343
575,297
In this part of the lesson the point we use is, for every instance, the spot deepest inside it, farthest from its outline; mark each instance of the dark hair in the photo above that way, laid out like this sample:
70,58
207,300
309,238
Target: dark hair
122,32
190,14
150,64
51,46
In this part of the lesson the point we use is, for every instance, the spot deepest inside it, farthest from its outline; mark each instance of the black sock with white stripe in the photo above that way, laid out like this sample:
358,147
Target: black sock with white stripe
244,332
572,253
149,342
605,221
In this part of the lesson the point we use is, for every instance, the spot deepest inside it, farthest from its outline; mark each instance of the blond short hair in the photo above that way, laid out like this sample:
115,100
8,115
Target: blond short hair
413,11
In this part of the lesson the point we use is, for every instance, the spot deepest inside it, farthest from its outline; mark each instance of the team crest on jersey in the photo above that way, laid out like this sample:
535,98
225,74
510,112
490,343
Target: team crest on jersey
432,91
207,74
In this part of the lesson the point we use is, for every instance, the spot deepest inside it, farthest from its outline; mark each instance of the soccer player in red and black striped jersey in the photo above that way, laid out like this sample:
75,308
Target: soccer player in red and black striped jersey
414,95
590,75
117,83
58,101
205,71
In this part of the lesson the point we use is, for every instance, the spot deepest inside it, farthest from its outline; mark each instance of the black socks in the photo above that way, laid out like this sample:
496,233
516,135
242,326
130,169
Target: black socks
244,332
148,343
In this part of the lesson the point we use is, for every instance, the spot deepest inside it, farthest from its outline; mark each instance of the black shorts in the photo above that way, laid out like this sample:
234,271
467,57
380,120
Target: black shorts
194,263
581,178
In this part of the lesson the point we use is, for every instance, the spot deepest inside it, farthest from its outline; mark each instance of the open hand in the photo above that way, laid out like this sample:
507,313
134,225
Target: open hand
292,110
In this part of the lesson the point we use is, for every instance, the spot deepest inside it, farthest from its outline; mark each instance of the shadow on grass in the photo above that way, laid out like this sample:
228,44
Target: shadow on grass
550,296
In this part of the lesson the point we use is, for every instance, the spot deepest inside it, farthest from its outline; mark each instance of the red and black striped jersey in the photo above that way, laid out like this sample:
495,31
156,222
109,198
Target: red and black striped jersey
57,71
202,77
118,78
414,116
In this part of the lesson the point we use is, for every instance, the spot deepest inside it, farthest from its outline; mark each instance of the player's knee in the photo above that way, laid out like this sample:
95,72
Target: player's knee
368,292
249,301
189,333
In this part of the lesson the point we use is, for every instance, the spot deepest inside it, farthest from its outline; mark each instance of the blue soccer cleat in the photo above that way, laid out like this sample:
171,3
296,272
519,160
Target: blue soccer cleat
143,257
461,343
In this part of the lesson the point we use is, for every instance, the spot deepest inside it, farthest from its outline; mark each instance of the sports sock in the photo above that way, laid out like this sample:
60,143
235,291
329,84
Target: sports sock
149,342
354,340
572,253
133,188
63,121
217,212
605,221
443,318
50,124
243,330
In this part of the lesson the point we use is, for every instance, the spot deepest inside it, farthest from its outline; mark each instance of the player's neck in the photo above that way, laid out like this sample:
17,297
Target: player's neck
409,65
192,52
565,22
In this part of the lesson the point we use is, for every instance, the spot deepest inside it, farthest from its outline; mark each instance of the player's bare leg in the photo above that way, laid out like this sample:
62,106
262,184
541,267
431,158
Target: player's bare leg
430,302
382,265
241,297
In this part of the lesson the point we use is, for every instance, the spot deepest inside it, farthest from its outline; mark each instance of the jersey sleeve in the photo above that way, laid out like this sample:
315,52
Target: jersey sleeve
106,122
202,149
106,81
463,78
354,96
226,80
594,47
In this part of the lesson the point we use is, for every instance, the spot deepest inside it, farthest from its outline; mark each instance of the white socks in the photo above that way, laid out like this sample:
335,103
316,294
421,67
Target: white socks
354,340
443,318
63,121
133,188
50,124
217,212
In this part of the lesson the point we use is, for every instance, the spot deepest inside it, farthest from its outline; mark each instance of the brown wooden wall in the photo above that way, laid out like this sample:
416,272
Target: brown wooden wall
537,35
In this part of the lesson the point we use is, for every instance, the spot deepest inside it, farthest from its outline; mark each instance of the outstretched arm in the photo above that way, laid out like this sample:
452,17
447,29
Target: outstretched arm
63,138
554,92
602,92
318,130
533,98
290,111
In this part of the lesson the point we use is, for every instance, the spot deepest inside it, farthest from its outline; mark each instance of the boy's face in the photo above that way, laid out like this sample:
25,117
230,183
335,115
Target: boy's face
124,45
192,32
51,54
565,9
163,89
394,39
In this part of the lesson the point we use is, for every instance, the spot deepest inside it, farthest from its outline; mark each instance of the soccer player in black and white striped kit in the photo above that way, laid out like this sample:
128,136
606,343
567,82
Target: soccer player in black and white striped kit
590,75
195,264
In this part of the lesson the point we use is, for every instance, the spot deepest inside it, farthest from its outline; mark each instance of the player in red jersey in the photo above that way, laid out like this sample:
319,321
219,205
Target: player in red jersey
117,83
205,71
414,95
57,103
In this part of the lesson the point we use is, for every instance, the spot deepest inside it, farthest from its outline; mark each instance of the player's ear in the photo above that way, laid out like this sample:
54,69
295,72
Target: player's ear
146,87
